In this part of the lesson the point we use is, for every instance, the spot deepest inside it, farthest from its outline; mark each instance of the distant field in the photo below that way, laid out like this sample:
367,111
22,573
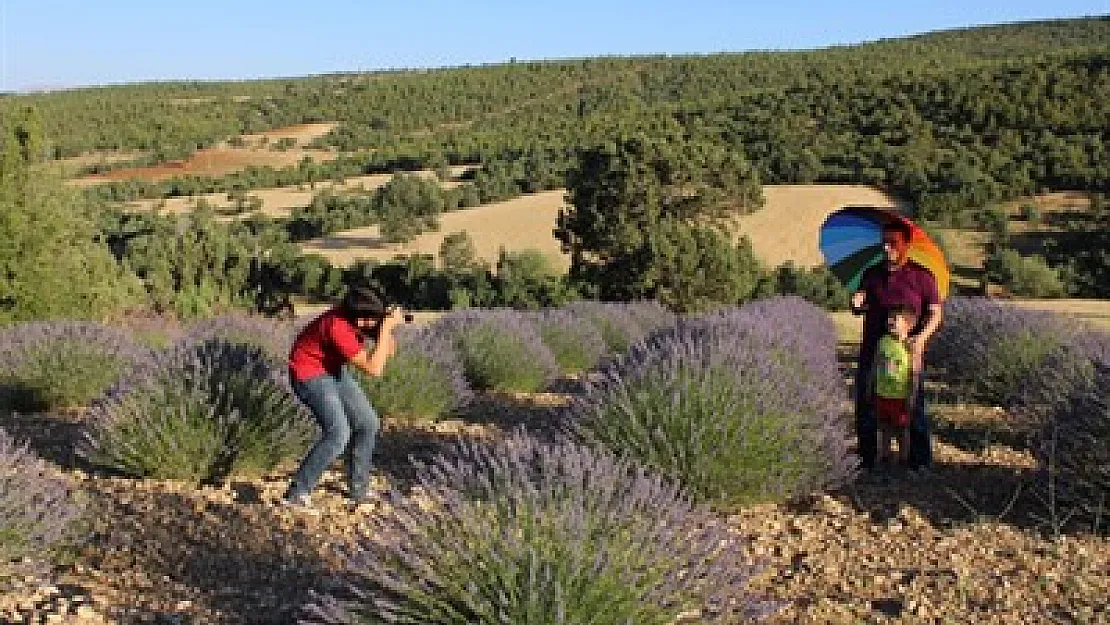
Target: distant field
521,223
301,133
279,201
784,229
223,158
787,226
73,165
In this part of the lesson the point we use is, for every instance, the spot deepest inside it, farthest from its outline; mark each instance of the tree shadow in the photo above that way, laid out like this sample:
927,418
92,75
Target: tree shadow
954,495
212,561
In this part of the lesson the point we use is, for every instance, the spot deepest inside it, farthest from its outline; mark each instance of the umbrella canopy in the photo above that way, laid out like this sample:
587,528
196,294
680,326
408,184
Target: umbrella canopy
851,240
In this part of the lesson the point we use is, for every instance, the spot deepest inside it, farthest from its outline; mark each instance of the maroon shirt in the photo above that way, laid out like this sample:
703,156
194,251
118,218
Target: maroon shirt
885,287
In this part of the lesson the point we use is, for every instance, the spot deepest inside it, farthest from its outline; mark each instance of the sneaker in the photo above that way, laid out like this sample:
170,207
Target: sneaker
297,502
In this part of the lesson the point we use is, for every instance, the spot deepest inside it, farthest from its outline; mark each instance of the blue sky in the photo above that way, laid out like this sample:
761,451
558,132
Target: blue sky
53,44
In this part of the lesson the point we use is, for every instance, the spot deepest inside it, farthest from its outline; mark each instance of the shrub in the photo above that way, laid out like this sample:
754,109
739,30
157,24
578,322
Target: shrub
57,364
500,349
37,510
726,406
201,413
985,349
618,326
575,342
649,315
1058,375
423,380
273,336
1025,276
522,532
816,284
1074,451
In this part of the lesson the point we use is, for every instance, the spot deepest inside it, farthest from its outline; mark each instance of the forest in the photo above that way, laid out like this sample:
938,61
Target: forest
953,121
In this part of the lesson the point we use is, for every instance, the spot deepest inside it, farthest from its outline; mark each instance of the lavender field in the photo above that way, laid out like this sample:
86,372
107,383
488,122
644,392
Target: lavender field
600,463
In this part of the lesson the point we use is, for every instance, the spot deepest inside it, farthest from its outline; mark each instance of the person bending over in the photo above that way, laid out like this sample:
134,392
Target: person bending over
357,332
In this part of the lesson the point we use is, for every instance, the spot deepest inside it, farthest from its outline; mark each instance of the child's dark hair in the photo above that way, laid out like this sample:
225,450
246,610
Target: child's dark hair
902,309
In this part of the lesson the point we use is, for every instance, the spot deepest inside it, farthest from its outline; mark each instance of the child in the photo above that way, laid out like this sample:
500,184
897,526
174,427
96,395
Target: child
894,381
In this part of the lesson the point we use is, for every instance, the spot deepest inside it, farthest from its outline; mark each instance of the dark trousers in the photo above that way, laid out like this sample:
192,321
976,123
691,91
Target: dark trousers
867,424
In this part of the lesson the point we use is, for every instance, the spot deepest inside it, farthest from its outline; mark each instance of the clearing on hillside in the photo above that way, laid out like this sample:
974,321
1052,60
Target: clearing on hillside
784,229
217,161
787,226
279,201
525,222
225,158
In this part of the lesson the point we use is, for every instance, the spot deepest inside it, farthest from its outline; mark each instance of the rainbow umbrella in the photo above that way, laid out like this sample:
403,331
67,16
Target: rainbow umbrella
851,240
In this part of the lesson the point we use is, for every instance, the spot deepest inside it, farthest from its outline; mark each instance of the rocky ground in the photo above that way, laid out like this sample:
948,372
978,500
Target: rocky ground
966,545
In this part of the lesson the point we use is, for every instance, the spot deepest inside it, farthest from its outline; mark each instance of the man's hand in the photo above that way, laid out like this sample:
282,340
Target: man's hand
858,299
916,346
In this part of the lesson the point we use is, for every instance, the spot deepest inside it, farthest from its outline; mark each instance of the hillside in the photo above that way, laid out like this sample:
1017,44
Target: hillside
950,120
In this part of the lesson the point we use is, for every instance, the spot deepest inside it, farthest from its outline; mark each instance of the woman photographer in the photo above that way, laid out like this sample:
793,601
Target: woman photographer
359,331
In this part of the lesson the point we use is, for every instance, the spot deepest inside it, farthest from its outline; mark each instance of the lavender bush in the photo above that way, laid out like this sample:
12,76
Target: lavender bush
649,315
522,532
424,379
735,406
273,336
619,328
1056,378
46,365
1074,451
500,349
37,510
201,413
985,349
575,342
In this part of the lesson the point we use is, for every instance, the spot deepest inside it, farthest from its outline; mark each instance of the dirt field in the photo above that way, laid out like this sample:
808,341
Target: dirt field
786,227
71,166
521,223
279,201
218,161
301,133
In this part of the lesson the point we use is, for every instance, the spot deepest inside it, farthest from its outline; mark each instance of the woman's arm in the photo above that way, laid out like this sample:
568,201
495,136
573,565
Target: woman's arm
373,362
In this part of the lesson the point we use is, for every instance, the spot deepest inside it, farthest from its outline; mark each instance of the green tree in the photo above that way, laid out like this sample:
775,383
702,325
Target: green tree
51,263
695,268
633,199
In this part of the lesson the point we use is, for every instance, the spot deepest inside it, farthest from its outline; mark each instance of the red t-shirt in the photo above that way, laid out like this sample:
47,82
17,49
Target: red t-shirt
909,284
324,346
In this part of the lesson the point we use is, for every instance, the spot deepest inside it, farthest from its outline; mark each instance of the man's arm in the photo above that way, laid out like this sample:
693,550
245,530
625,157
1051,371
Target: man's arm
917,342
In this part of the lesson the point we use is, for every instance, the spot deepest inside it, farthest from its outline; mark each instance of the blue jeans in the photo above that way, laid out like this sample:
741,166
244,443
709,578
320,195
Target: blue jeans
347,421
867,425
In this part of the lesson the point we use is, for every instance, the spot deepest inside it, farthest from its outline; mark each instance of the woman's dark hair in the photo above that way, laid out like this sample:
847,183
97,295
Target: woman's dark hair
364,302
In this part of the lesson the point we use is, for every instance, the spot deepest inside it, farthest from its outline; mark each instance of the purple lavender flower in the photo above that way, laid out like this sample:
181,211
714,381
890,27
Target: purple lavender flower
37,509
986,348
500,349
618,325
575,342
423,380
1073,450
733,405
273,336
59,364
525,532
200,413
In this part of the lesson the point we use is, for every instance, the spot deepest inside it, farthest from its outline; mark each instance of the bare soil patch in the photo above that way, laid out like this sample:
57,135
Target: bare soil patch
525,222
217,161
301,133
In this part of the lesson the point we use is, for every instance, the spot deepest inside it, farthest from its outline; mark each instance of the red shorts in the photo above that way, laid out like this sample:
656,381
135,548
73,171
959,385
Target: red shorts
892,411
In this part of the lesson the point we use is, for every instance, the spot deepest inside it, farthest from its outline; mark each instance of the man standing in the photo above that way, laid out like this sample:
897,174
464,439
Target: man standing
896,281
